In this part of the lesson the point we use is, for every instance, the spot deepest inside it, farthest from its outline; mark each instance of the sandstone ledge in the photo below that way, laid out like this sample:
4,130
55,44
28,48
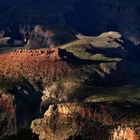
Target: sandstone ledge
91,121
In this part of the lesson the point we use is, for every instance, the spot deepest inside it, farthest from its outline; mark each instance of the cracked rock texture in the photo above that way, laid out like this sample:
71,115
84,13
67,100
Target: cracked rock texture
104,121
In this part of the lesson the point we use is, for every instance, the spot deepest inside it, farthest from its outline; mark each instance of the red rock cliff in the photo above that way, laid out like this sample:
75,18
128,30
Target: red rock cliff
33,63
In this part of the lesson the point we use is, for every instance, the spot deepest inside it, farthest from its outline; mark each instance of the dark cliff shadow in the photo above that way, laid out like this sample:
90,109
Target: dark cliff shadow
109,52
133,52
72,59
27,101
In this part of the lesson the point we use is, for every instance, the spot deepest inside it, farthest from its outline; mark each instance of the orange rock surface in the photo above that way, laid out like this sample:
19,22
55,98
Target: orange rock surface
103,120
33,63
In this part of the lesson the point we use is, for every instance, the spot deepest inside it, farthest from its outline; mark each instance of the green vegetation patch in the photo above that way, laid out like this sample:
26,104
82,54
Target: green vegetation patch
102,57
84,49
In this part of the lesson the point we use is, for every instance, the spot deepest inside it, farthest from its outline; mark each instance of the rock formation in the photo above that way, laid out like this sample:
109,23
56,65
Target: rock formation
8,123
62,69
115,121
58,72
33,63
19,105
42,77
50,37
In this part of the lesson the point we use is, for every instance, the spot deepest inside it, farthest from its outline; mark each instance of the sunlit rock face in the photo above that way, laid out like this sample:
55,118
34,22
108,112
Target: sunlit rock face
40,77
33,63
115,121
60,74
125,133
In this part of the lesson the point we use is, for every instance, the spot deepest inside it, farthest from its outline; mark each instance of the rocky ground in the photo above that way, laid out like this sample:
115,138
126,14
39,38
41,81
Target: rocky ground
114,121
82,89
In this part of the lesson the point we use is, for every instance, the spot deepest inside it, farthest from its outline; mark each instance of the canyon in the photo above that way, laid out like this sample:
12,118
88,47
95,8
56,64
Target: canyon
33,79
69,70
105,15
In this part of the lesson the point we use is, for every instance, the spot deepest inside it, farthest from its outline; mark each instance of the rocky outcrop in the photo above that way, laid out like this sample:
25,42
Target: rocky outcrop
45,62
19,105
4,41
91,121
33,63
60,72
8,123
125,133
40,77
108,46
51,37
